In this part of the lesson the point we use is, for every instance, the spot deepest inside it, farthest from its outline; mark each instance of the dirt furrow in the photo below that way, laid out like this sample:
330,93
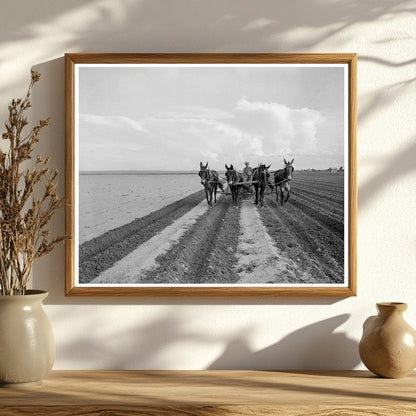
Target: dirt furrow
329,241
325,182
205,254
104,251
132,268
331,211
291,245
314,248
333,219
334,224
317,192
324,244
327,208
332,188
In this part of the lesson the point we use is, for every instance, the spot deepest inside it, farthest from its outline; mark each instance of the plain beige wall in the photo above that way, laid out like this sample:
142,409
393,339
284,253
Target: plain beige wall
198,333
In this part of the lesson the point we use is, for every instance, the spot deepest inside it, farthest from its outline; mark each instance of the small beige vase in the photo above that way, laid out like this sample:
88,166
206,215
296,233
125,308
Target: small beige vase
27,347
388,344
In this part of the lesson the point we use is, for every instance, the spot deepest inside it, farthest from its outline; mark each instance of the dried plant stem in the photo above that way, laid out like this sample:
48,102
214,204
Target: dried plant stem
23,217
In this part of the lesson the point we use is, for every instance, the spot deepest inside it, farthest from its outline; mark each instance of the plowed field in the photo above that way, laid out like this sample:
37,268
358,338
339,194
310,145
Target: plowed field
188,242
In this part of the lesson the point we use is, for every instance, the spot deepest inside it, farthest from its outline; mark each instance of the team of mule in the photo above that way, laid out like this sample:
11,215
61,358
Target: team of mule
282,178
260,180
234,180
211,181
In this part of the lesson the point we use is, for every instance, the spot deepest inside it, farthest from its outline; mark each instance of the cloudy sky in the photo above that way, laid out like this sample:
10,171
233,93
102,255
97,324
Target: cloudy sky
171,118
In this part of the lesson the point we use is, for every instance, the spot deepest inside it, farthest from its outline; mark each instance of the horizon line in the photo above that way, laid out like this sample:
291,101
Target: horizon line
158,171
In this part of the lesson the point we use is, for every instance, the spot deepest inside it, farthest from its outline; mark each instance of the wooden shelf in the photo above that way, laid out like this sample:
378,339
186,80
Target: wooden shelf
203,393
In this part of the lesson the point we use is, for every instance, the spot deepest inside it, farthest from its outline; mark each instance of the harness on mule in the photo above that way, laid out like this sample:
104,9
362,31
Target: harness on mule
284,180
222,180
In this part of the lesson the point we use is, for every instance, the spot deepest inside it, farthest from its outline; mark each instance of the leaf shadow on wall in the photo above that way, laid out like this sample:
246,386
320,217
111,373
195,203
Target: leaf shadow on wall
188,26
394,169
315,346
115,347
382,98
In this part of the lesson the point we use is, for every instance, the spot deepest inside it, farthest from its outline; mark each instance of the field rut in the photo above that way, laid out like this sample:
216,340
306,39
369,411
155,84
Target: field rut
315,249
205,253
101,253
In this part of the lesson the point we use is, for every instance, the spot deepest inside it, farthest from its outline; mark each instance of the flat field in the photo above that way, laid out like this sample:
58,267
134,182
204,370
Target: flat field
187,242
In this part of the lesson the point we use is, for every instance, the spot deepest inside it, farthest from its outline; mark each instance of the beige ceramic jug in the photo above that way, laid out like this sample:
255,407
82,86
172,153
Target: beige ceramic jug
388,344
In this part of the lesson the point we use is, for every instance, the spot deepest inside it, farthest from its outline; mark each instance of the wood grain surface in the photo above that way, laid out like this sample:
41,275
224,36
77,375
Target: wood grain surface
202,393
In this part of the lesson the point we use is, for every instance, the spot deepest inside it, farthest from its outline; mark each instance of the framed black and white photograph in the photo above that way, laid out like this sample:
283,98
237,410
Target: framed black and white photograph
211,174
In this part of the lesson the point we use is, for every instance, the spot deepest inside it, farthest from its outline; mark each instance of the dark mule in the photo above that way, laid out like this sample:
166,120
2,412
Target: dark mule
233,178
210,180
261,177
282,178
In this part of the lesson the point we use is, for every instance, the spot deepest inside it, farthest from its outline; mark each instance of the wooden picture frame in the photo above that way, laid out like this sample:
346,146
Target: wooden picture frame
88,141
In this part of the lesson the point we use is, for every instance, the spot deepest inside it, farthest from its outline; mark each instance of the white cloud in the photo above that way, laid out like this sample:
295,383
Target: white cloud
200,112
182,137
110,142
283,130
114,122
188,141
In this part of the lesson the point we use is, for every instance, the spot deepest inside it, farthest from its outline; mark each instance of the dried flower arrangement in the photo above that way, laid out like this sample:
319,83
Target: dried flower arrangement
28,199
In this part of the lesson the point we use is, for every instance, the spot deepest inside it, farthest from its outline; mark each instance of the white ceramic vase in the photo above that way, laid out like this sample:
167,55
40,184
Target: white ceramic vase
27,347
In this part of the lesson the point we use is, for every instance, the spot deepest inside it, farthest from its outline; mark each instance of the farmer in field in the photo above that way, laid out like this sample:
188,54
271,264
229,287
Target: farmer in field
247,172
247,175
